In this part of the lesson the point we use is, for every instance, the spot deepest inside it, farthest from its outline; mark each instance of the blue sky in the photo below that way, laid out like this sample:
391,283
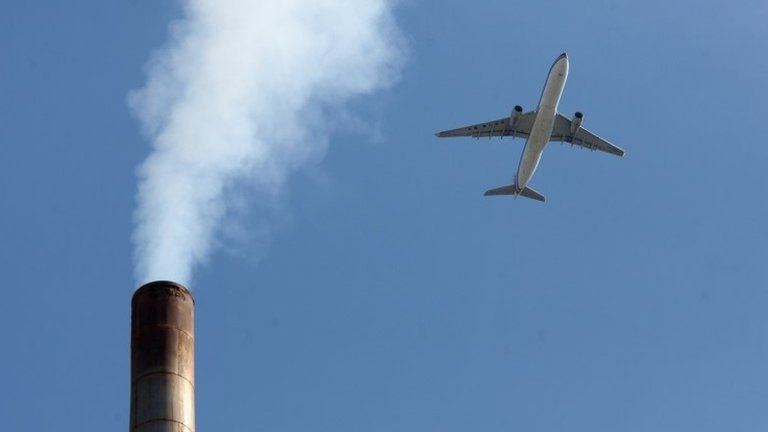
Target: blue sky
395,296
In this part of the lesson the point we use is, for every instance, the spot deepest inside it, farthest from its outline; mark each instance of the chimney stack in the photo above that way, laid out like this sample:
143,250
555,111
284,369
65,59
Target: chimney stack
162,358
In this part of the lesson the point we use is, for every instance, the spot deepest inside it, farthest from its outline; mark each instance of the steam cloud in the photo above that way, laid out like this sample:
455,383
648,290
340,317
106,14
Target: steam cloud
241,93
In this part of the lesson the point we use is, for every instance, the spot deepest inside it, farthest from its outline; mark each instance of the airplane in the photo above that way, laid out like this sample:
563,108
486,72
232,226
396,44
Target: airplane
540,126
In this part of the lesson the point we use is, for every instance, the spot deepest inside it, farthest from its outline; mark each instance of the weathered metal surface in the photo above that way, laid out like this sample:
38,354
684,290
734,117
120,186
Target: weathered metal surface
162,359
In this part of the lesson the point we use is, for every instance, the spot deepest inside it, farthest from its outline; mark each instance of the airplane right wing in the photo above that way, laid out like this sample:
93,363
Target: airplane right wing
582,138
501,127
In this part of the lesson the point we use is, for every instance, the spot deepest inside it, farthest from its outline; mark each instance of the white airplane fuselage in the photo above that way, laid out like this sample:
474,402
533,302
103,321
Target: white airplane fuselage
545,120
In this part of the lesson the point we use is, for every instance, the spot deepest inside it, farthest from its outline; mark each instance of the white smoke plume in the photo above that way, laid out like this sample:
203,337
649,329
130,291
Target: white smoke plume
242,93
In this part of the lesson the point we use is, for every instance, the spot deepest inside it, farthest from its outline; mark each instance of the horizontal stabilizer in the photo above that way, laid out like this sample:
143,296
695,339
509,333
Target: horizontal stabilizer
513,190
504,190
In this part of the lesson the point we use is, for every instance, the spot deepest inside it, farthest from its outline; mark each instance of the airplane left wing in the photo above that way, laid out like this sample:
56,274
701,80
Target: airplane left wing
583,138
520,127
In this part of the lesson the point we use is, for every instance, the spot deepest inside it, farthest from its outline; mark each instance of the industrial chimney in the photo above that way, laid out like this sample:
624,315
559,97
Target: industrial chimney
162,359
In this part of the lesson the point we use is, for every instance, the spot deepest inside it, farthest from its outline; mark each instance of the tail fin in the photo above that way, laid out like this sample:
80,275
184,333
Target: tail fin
513,190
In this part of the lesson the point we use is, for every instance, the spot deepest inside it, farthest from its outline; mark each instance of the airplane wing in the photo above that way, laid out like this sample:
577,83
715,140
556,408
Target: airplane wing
501,127
584,138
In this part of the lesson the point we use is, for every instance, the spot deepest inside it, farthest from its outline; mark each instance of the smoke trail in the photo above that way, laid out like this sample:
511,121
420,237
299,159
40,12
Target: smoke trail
239,94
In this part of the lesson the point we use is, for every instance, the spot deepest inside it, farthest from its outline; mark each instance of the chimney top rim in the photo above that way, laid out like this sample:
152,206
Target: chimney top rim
159,284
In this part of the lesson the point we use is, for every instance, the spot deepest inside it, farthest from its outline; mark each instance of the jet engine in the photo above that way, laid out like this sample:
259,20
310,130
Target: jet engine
515,115
576,122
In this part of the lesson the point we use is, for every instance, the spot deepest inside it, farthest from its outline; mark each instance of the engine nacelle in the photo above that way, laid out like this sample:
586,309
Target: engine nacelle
515,115
576,122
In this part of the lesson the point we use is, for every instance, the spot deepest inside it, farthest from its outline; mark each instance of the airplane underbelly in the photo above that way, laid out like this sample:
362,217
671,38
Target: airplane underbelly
537,141
541,131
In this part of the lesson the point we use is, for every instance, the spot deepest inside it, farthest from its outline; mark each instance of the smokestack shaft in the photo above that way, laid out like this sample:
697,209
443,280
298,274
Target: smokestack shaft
162,359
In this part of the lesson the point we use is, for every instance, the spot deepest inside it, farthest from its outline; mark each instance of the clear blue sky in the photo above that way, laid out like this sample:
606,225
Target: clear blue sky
396,297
